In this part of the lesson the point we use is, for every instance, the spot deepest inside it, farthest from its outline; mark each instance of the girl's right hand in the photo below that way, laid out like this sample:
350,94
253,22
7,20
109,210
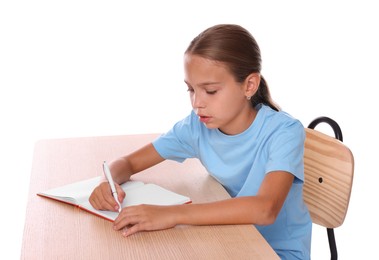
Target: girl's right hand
102,199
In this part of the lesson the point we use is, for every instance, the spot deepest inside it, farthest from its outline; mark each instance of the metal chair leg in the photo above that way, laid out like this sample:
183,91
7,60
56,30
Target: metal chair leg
332,244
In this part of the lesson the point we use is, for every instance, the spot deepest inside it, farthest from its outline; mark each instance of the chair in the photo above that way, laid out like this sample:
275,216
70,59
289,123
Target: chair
329,170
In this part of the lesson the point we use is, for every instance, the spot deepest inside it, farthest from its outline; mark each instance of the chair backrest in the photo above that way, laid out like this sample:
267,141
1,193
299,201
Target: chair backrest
329,170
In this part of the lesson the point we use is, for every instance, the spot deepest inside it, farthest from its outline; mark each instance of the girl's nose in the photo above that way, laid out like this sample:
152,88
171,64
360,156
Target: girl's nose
197,101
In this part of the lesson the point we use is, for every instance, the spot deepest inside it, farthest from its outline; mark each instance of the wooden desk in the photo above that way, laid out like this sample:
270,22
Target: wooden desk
55,230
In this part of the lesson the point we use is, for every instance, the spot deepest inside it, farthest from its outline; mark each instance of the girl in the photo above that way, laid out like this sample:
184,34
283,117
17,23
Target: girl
242,138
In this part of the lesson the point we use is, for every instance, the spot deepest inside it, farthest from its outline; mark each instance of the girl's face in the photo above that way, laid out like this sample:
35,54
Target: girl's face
218,100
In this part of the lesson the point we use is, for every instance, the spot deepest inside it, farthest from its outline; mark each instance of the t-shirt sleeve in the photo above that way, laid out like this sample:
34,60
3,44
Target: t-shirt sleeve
287,150
179,143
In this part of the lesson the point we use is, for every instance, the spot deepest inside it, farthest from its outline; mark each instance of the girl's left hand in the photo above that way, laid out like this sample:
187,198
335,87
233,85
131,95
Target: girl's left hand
144,218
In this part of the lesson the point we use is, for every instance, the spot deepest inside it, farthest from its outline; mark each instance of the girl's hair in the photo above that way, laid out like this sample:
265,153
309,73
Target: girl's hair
237,49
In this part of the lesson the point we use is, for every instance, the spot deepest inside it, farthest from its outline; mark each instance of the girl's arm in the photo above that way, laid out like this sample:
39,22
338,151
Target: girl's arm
137,161
121,169
261,209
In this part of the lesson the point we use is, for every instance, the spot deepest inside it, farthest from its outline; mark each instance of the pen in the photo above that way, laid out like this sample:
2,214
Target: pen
108,175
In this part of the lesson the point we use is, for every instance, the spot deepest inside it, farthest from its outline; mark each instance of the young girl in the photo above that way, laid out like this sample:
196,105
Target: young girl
242,138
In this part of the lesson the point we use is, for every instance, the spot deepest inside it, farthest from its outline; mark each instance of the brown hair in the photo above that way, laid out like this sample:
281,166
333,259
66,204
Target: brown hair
237,49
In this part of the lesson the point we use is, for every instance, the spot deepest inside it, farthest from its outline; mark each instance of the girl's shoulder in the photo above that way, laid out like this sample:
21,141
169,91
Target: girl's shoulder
272,119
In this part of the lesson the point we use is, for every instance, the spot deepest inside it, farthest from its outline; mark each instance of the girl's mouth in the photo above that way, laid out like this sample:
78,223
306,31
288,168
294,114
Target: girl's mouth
204,119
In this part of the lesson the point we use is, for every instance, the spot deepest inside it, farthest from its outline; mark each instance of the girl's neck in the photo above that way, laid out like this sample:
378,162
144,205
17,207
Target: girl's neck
244,122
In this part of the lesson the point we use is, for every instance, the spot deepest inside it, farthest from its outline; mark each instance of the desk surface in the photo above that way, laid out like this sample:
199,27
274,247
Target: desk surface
54,229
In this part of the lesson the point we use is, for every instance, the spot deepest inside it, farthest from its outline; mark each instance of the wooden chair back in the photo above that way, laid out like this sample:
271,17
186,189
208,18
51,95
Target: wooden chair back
329,170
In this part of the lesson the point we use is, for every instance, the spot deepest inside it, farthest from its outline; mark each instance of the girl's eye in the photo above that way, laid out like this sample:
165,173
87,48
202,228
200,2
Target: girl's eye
190,89
211,92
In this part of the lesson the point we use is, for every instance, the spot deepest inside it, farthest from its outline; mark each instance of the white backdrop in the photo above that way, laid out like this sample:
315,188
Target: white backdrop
88,68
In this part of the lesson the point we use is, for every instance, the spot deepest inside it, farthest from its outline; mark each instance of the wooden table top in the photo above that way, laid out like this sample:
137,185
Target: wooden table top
55,230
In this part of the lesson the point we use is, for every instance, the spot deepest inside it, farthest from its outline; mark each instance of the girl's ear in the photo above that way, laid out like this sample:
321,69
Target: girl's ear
252,84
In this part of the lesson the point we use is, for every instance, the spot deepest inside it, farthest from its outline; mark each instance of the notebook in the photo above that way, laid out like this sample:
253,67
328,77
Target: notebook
137,192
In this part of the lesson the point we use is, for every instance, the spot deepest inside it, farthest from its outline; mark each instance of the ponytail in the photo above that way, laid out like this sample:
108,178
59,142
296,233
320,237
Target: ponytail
263,96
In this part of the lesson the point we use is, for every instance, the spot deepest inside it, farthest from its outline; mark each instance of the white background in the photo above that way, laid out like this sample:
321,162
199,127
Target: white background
88,68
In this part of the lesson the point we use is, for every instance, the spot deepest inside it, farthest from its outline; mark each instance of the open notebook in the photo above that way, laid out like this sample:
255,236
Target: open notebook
137,193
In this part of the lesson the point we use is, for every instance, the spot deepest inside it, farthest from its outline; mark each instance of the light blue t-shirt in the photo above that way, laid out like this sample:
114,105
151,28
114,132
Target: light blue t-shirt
274,141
